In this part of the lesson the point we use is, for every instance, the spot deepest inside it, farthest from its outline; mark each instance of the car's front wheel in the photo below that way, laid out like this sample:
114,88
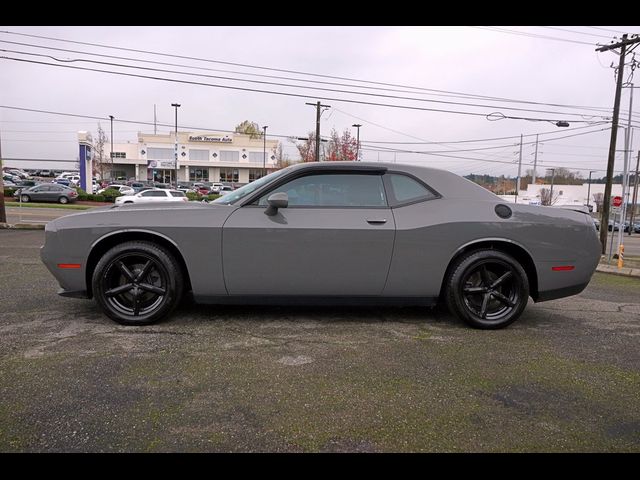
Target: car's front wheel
488,289
25,198
137,283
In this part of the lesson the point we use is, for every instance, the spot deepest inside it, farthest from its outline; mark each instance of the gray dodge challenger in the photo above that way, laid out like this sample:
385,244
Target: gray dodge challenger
333,233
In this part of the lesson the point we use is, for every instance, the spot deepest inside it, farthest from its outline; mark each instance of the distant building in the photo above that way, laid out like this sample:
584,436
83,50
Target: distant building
567,195
202,156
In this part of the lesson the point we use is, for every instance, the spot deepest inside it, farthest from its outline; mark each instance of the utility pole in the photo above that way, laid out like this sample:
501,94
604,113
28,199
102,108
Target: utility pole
519,170
535,163
625,173
155,119
3,212
553,173
635,195
614,133
318,105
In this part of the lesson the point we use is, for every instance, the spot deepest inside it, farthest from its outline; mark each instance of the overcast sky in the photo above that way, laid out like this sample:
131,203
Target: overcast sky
514,63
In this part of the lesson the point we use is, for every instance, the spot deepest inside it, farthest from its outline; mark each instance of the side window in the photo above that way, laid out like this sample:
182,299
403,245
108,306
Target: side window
154,193
333,190
405,189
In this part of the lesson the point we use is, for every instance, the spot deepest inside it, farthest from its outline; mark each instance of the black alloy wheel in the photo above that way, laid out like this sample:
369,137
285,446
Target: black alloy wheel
137,283
487,289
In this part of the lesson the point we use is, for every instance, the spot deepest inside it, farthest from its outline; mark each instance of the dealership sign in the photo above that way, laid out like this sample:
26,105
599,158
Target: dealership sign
207,138
161,164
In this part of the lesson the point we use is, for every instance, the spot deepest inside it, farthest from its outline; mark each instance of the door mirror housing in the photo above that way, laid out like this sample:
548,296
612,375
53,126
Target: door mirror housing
276,200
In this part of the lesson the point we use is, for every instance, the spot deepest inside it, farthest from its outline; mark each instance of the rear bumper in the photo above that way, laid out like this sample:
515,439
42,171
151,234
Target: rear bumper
560,292
73,293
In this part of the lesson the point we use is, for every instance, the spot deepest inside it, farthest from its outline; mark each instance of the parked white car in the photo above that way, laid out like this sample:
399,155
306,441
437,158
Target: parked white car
155,195
123,189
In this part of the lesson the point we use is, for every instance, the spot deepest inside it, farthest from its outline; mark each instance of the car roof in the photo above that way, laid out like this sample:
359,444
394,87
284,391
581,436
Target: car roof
446,183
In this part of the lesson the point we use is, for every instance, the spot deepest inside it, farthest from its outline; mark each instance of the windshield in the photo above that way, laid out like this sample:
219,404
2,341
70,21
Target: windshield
232,197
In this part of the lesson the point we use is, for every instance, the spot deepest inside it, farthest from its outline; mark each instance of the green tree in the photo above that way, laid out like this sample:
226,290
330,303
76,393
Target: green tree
249,128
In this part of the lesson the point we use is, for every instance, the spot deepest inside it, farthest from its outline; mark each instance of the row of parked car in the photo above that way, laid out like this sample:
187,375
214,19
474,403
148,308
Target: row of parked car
616,226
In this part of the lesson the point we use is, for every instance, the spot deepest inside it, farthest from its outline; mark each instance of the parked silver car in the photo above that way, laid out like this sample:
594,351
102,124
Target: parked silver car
329,232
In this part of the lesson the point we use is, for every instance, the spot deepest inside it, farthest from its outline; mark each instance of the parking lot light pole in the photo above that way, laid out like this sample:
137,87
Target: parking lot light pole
589,189
111,117
264,151
175,166
357,125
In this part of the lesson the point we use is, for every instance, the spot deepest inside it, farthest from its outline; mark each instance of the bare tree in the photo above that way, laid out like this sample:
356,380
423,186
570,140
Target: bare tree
282,159
307,148
545,197
100,163
342,148
598,199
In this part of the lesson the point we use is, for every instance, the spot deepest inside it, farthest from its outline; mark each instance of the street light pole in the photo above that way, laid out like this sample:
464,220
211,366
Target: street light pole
553,172
357,125
111,117
175,166
589,189
264,152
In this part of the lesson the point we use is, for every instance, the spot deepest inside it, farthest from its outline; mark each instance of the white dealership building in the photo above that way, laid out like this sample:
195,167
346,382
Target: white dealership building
202,156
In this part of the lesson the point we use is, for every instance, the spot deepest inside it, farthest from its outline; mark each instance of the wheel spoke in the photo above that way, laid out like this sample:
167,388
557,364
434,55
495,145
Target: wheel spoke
503,299
485,303
501,279
118,290
127,273
472,290
145,271
484,275
152,288
136,302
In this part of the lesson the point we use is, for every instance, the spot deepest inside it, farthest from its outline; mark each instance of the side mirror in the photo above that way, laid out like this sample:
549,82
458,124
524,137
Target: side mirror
276,201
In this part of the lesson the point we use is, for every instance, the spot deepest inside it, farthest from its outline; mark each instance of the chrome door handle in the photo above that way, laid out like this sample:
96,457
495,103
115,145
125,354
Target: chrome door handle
376,221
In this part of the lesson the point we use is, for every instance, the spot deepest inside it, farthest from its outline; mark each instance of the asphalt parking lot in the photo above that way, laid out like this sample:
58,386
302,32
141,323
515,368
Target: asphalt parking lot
564,378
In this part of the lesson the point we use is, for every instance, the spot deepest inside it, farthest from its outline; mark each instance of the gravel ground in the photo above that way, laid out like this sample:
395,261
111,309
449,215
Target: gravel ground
564,378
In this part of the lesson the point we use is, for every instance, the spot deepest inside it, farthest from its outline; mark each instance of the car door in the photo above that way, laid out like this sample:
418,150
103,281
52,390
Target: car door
335,238
42,193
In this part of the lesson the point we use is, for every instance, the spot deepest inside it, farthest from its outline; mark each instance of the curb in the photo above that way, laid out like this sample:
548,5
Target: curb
22,226
626,271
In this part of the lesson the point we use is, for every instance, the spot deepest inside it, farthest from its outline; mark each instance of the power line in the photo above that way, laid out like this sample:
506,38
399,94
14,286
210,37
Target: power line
575,31
606,30
279,84
272,92
532,35
452,93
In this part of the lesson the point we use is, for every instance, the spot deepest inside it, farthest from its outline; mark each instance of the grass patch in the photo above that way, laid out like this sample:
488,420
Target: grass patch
48,205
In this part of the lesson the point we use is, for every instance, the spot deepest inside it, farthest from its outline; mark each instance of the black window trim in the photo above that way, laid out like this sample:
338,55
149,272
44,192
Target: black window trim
391,192
335,170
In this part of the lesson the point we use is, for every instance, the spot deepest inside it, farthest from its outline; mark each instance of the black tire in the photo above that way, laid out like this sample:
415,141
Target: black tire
25,198
153,276
487,289
63,200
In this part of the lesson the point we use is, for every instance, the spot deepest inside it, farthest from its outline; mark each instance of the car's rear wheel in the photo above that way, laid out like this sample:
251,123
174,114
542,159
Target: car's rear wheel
63,200
487,289
25,198
137,283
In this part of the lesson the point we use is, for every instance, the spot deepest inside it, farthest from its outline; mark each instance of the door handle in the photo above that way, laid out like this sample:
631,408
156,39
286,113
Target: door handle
376,221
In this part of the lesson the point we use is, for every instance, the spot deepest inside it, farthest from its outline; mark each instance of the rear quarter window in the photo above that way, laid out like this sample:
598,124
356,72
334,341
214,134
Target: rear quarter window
405,189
